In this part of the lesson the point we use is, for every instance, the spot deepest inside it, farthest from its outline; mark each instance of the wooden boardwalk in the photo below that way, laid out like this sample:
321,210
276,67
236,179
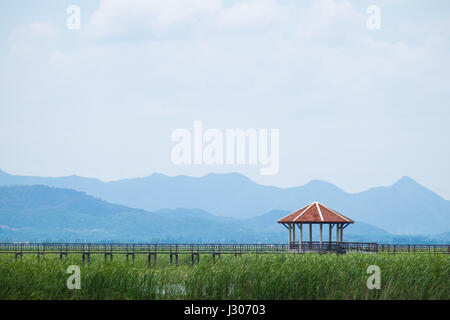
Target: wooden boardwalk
130,250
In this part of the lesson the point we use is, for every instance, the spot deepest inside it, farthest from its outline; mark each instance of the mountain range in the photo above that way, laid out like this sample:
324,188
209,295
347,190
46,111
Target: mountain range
41,213
404,208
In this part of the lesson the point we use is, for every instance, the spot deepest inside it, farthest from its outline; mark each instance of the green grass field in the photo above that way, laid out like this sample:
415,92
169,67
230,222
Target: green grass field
284,276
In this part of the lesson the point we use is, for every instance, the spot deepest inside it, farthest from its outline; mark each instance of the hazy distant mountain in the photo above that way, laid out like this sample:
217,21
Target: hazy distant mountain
406,207
41,213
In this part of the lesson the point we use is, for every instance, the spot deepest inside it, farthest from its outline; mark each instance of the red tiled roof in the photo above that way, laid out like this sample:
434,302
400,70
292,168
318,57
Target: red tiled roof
315,213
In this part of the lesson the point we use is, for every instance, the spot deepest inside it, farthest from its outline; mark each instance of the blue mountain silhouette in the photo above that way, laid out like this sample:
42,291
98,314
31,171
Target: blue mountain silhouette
406,207
41,213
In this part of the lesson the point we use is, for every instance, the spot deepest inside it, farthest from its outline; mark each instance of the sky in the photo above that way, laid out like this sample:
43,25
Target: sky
354,106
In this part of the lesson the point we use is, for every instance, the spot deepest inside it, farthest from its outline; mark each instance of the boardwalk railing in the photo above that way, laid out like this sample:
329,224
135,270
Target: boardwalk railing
215,250
139,248
418,248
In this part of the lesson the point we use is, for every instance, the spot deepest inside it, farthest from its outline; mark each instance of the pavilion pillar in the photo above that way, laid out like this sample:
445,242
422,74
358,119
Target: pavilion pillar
342,233
310,233
337,232
293,233
320,233
301,234
329,234
290,233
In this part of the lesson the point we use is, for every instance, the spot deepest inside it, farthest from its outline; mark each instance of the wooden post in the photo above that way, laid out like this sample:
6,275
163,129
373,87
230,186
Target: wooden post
342,234
310,233
289,234
330,235
337,232
301,234
320,233
293,234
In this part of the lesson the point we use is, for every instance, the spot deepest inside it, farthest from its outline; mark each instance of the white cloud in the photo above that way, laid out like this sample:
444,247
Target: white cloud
160,19
141,20
29,41
330,19
252,15
37,31
43,29
157,18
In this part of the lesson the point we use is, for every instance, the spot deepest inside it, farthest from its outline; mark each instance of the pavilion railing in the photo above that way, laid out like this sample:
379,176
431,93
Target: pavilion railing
334,246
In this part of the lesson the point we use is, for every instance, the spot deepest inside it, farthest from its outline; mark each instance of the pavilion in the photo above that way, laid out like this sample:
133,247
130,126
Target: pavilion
315,213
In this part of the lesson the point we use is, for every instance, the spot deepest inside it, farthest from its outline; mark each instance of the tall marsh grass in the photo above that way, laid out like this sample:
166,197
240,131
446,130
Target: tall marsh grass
285,276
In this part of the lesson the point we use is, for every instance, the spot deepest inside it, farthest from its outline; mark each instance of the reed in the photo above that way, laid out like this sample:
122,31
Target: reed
284,276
